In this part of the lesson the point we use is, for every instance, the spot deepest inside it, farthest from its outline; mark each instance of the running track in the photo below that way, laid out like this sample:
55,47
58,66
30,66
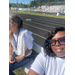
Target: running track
40,26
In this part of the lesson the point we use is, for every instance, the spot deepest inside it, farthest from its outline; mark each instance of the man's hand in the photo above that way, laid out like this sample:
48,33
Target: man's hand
18,58
11,60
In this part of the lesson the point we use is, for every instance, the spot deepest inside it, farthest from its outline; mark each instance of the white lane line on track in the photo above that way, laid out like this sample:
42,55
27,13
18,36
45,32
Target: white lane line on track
49,20
39,36
47,25
51,23
37,27
43,25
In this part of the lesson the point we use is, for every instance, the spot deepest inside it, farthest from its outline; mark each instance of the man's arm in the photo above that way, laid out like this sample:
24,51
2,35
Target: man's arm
31,72
10,50
19,58
26,52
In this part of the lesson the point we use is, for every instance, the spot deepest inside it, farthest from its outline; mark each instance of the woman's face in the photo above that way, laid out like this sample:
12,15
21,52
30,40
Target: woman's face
58,49
11,27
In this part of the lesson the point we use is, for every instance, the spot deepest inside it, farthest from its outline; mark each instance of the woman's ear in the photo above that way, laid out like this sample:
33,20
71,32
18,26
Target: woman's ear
14,24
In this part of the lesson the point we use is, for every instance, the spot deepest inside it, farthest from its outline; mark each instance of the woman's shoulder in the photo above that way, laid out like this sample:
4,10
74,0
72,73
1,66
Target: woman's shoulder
43,55
23,32
26,34
46,57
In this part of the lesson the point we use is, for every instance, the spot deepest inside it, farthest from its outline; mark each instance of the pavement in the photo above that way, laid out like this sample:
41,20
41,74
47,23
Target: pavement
40,26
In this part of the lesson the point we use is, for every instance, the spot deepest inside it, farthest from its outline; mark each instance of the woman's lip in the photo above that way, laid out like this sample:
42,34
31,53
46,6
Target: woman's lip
59,49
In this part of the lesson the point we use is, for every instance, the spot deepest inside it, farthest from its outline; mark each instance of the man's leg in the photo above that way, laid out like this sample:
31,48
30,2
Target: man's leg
11,64
19,64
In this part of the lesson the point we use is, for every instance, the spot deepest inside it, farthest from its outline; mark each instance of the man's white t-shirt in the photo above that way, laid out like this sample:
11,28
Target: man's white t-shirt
46,65
22,42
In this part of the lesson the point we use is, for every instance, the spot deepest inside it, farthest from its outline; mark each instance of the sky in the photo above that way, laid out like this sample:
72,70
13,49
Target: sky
20,1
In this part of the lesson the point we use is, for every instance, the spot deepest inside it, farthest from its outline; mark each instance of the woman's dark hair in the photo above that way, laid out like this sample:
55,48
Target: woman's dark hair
15,18
47,46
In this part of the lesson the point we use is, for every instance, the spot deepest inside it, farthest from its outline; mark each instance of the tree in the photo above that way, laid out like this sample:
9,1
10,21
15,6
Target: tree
10,4
33,3
13,5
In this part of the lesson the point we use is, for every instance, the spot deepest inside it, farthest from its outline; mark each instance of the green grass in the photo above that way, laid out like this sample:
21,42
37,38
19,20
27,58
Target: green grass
39,14
19,71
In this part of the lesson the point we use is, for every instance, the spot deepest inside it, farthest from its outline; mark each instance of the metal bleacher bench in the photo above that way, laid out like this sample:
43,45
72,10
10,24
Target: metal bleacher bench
36,50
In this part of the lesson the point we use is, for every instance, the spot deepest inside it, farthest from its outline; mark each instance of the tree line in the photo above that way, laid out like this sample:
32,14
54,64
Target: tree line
32,3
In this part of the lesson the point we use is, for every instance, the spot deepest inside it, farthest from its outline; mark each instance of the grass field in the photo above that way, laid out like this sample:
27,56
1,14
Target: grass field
19,71
39,14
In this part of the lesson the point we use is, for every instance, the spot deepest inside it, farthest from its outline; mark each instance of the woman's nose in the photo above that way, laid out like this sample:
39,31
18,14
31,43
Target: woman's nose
57,43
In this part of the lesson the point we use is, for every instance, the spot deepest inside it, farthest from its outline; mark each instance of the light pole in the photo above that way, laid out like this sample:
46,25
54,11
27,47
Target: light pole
17,4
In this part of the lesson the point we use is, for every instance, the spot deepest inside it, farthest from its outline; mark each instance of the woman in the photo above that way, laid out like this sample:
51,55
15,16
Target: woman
20,43
51,61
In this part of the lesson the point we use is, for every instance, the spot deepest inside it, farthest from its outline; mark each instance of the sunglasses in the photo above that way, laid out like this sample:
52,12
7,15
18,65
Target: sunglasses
61,41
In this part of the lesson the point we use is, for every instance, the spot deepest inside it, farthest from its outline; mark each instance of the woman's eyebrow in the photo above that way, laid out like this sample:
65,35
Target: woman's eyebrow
59,38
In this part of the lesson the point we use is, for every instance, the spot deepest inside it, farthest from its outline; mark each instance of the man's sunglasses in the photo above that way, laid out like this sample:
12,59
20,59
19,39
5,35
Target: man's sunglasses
61,41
